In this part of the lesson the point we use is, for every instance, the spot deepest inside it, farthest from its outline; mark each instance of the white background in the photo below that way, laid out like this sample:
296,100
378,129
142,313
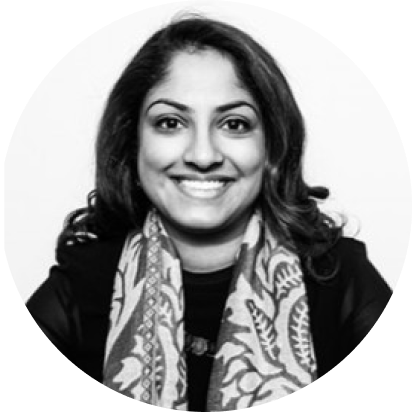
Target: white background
353,145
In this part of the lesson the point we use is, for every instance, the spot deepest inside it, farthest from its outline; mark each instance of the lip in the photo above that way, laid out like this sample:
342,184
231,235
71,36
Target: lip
208,187
203,177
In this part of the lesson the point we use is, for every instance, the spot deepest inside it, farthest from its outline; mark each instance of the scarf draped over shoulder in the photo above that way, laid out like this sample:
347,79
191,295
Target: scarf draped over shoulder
264,348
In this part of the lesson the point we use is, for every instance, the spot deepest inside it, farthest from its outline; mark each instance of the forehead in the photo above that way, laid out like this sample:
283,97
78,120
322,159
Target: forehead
205,75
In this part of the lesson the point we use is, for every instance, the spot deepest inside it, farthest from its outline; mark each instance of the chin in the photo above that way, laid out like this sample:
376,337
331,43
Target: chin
199,222
202,224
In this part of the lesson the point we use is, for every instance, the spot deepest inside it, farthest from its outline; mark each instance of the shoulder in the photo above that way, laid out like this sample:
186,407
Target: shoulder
90,266
86,270
352,259
90,254
339,260
345,307
347,246
356,275
349,253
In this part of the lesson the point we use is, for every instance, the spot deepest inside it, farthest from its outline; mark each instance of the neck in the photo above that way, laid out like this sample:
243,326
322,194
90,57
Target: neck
208,258
201,253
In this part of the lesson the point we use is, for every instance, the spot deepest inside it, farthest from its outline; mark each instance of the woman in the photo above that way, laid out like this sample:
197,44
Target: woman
202,275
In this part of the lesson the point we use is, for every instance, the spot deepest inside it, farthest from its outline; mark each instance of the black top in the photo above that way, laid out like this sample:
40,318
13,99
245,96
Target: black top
72,306
205,299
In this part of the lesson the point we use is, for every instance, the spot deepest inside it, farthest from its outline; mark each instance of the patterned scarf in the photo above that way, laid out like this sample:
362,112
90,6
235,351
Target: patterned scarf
264,349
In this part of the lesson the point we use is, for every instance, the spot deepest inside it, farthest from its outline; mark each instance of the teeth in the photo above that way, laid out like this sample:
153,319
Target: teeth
202,184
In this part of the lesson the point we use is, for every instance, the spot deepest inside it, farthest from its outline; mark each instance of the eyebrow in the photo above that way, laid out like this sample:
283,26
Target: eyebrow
220,109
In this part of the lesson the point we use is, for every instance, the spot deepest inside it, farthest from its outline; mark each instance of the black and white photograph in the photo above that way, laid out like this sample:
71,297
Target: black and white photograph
207,208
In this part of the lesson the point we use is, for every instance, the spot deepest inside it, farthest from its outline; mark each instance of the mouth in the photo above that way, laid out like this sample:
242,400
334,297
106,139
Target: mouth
203,188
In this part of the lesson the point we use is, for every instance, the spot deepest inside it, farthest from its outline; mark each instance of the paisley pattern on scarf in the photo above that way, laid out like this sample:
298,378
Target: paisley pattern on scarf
264,348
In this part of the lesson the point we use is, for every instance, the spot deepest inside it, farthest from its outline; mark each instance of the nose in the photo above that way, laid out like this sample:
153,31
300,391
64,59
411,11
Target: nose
203,151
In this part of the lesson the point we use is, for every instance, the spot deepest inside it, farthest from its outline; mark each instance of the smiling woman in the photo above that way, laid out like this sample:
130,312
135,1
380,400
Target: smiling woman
202,274
201,157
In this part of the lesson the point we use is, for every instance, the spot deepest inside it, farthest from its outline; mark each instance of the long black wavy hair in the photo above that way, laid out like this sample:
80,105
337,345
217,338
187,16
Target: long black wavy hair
289,204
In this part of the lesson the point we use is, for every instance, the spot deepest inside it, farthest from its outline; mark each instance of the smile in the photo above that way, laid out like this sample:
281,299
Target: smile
202,189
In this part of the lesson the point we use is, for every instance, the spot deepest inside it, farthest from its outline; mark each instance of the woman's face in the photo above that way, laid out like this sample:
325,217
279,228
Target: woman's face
202,146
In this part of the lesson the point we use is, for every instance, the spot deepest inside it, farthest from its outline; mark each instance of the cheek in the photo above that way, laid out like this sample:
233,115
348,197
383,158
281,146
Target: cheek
154,154
249,157
150,168
147,161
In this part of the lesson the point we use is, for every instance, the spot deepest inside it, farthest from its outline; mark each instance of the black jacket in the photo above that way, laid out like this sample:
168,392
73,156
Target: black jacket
72,306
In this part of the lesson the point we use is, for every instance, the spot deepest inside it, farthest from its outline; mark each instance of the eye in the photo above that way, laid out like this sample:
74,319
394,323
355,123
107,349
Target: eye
236,125
168,124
